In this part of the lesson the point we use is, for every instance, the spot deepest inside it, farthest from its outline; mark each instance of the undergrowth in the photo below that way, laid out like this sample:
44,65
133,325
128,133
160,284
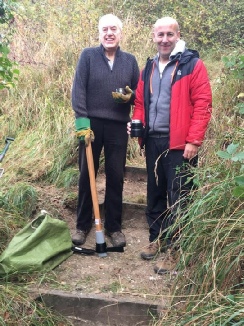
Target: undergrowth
18,308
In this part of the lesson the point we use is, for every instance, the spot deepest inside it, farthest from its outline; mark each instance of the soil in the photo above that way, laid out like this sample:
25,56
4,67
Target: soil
118,275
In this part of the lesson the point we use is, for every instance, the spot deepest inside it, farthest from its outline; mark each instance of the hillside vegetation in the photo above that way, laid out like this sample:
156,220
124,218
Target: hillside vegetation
46,38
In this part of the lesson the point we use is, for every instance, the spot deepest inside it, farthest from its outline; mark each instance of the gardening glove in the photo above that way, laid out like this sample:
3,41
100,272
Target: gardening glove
83,130
123,98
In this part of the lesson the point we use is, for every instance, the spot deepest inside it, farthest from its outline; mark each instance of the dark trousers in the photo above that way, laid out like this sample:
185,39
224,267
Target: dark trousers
168,184
112,136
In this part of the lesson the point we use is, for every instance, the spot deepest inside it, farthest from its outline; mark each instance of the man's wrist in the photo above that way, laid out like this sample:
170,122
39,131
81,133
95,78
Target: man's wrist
82,123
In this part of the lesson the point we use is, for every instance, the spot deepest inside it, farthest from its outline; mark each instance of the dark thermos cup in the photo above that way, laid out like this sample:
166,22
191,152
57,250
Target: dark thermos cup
136,128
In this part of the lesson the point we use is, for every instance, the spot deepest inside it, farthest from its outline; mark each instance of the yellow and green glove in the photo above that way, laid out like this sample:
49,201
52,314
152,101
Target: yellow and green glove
83,130
123,98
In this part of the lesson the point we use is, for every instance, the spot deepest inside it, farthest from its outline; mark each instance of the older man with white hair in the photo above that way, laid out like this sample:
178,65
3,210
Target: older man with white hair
104,113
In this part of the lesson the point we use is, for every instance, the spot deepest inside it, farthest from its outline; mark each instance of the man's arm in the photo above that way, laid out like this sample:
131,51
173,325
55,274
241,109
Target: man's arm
78,94
201,98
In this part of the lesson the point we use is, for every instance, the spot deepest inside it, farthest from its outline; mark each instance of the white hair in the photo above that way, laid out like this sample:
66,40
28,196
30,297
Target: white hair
111,19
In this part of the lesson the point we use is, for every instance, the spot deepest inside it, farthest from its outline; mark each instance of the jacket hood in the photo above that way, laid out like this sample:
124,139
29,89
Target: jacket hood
180,47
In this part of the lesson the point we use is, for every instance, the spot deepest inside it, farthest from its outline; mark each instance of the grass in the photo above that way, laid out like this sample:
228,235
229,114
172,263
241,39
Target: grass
212,258
114,287
17,308
22,197
10,222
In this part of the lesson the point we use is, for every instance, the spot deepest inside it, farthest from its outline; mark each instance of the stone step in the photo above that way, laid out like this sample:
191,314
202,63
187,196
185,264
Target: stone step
135,173
131,211
98,310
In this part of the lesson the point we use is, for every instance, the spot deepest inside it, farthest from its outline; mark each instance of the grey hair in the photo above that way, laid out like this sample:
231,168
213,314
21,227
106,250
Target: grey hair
111,17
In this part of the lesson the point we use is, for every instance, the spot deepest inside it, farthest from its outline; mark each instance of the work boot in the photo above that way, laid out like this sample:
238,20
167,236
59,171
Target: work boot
168,263
79,237
117,238
151,251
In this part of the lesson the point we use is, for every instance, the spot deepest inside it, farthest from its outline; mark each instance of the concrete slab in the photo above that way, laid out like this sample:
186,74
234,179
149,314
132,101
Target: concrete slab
97,310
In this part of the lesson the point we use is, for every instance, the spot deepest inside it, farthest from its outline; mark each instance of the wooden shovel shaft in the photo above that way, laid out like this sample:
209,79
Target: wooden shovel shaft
93,187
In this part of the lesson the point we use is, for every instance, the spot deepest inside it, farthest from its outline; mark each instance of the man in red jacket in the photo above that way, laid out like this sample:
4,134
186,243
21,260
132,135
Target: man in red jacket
174,103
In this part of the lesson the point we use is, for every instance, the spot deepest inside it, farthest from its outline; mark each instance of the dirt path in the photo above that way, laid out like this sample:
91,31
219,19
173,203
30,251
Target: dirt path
119,274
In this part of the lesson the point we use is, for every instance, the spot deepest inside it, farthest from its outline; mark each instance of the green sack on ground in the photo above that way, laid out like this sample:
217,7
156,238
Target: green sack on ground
40,246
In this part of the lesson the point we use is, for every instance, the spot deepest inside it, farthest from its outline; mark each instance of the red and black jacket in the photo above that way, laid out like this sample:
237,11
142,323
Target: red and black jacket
191,100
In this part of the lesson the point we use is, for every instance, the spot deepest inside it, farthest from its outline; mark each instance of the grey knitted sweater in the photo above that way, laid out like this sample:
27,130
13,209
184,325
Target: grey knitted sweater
94,82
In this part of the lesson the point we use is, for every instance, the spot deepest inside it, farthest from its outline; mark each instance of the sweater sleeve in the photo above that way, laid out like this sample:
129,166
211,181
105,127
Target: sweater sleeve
134,80
78,93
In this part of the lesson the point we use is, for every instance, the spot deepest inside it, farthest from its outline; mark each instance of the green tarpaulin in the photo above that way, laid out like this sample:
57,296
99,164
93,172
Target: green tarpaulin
40,246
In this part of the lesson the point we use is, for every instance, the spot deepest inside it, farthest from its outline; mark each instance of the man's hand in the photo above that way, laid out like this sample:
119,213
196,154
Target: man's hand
83,130
123,98
190,151
128,128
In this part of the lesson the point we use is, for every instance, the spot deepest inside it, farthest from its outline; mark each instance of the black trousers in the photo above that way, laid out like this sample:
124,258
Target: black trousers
167,185
112,137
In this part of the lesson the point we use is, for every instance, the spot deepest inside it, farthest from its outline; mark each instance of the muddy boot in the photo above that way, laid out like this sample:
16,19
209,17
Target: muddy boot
152,250
168,263
79,237
117,238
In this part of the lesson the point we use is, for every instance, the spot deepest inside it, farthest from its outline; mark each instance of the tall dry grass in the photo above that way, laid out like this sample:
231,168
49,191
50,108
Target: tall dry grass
18,308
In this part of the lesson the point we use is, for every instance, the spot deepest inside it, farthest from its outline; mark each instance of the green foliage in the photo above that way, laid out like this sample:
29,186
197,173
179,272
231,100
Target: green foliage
240,107
6,11
234,155
235,65
231,153
202,23
8,74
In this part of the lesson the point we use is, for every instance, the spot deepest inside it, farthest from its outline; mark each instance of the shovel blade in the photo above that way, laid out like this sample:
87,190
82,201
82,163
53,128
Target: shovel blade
83,251
115,249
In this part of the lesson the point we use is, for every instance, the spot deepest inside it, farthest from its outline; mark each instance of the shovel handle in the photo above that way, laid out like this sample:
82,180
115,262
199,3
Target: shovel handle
90,164
7,143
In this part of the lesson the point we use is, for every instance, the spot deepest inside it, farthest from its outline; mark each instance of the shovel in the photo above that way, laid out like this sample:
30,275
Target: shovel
101,247
8,140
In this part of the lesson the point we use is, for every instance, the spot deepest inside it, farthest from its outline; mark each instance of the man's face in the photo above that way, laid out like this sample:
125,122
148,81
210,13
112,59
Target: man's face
166,36
110,36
